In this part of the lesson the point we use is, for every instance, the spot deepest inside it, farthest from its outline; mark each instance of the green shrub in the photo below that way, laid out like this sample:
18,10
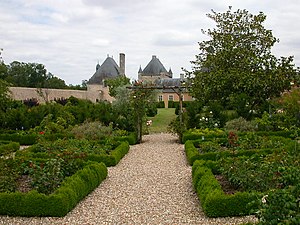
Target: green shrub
92,131
160,104
240,124
214,201
131,138
113,158
209,146
277,170
280,207
194,134
72,190
7,147
193,154
23,139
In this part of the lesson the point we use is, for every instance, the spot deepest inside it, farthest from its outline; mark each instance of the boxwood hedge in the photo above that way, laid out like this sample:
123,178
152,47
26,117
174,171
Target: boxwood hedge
72,190
7,147
214,201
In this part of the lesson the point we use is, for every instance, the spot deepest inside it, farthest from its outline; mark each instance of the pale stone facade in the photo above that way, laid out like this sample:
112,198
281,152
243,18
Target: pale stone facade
93,93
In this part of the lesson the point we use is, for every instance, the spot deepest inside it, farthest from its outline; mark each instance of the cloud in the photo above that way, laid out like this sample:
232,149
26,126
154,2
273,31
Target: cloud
174,38
69,38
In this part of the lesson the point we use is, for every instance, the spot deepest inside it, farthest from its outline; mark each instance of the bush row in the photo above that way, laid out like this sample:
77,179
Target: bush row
214,201
131,138
193,154
30,139
72,190
194,136
23,139
7,147
113,158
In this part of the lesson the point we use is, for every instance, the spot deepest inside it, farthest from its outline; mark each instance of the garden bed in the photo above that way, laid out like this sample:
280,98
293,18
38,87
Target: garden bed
237,172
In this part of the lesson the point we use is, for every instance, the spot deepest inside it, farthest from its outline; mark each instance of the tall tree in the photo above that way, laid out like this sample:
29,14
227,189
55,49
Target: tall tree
236,63
114,83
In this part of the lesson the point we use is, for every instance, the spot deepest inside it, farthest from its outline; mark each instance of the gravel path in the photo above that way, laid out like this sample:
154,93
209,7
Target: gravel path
151,185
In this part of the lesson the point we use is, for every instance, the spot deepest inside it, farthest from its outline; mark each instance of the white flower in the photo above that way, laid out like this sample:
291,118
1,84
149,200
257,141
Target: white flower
216,124
210,112
264,199
206,119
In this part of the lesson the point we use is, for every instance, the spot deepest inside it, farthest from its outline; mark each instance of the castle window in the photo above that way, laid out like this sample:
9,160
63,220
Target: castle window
160,98
171,97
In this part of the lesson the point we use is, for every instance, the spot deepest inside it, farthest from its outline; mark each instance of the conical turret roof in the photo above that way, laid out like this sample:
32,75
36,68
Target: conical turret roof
154,67
109,69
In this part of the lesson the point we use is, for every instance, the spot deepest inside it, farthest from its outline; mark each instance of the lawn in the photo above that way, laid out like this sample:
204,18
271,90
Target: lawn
162,120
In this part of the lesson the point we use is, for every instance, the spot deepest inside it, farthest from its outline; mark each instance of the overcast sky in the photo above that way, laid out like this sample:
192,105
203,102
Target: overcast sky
70,36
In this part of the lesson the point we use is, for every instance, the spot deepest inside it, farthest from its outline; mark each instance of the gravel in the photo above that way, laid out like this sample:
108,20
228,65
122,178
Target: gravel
151,185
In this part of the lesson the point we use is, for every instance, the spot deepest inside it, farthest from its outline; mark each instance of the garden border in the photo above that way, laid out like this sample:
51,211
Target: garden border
72,190
214,202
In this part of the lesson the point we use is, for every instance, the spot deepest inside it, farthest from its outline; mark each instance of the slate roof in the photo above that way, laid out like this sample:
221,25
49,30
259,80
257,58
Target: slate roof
168,82
109,69
154,67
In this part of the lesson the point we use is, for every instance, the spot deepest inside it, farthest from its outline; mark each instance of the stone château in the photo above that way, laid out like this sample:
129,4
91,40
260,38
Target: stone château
154,72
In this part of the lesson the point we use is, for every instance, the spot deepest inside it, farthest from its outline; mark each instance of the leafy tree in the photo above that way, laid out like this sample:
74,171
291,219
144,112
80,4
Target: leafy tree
3,70
4,100
113,84
236,64
141,98
54,82
33,75
4,95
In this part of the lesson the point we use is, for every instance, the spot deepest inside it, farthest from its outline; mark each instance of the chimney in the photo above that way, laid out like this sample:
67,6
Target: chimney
122,64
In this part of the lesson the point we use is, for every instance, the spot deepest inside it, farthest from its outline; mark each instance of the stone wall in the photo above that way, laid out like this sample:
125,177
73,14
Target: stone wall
93,93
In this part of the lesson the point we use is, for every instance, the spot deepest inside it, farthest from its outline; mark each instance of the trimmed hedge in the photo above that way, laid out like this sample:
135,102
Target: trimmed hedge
72,190
7,147
30,139
111,159
193,154
214,201
131,138
23,139
114,157
192,136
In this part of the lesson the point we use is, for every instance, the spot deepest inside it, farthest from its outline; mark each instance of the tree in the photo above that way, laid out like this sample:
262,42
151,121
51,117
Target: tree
141,97
236,64
32,75
4,95
4,101
113,84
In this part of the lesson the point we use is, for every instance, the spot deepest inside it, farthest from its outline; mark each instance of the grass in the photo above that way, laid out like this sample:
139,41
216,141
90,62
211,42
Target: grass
161,121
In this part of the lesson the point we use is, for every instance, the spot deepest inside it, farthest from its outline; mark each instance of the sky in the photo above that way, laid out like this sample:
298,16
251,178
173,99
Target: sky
70,36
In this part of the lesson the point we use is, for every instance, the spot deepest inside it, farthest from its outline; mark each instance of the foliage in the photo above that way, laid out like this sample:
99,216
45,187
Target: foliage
141,98
46,177
7,147
92,131
8,175
114,83
213,200
280,206
59,203
75,111
237,65
22,74
240,124
4,96
177,127
277,170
